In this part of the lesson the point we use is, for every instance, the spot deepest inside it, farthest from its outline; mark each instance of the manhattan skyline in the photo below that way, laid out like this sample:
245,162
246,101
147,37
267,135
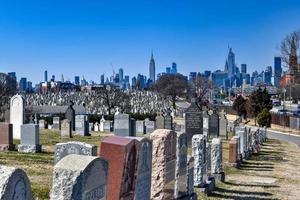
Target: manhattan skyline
91,38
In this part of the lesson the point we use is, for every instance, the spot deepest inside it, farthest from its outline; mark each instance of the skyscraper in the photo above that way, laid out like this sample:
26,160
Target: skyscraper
152,69
23,84
121,72
77,80
46,76
230,64
244,68
102,79
174,68
277,71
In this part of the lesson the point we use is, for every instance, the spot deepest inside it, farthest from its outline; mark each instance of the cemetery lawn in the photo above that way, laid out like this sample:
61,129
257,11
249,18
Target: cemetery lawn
271,174
39,166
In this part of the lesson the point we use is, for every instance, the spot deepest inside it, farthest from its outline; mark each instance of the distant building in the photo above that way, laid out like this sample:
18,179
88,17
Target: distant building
152,69
46,76
23,84
77,80
219,77
102,79
29,86
192,77
168,70
230,66
121,74
174,68
244,68
277,71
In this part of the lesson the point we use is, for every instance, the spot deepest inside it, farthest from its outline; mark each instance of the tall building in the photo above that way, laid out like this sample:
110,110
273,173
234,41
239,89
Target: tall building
77,80
152,69
29,86
46,76
102,79
174,68
230,66
244,68
277,71
121,75
23,84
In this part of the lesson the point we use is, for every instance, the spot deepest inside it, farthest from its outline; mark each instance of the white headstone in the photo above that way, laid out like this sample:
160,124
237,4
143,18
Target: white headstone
17,115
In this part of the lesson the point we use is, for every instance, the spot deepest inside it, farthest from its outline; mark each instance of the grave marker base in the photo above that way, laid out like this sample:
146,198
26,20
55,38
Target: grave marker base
30,148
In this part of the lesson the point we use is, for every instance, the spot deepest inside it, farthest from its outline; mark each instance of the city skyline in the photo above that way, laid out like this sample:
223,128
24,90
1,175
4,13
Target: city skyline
89,39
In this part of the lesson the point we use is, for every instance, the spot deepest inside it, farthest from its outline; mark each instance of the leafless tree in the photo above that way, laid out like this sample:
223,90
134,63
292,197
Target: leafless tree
7,88
202,86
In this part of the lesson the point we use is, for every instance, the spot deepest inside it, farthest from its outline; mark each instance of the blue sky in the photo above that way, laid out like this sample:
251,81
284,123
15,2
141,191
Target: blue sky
90,37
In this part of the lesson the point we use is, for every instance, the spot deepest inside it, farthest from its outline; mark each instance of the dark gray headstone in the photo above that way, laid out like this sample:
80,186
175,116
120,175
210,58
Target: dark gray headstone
30,140
56,123
123,125
82,125
70,115
214,125
193,120
168,119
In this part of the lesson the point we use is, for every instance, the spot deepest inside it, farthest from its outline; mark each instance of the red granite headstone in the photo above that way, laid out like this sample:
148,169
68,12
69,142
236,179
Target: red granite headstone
6,137
121,153
233,152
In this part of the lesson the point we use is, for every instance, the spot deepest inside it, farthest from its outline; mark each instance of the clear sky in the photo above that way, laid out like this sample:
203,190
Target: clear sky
90,37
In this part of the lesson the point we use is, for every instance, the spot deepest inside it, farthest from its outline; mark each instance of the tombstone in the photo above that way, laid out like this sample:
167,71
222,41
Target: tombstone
144,170
193,120
73,147
80,177
181,162
6,137
56,123
214,125
208,159
30,139
101,128
149,126
121,153
17,115
168,119
205,117
163,164
159,121
233,152
42,124
82,125
107,126
96,127
217,159
70,115
190,176
243,142
66,128
91,127
198,152
14,184
223,125
140,127
123,125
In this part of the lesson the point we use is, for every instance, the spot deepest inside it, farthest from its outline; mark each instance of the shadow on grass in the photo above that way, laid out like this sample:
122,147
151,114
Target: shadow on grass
250,185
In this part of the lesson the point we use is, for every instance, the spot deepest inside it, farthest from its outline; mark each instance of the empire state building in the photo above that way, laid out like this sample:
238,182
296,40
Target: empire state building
152,69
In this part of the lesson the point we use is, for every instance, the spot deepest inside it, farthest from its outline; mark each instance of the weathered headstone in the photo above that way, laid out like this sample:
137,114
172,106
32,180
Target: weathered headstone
6,137
144,170
14,184
107,126
193,120
73,147
123,125
149,126
163,164
101,128
42,124
91,127
181,169
140,127
17,115
214,125
223,125
70,115
80,177
66,128
168,119
199,154
121,153
159,121
82,125
205,117
233,152
190,176
208,159
30,139
56,123
96,127
216,159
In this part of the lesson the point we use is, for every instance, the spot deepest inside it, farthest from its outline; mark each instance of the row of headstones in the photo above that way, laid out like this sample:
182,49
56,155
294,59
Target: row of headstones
128,168
247,140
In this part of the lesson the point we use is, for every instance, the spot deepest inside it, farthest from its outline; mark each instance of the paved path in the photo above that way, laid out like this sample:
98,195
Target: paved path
283,136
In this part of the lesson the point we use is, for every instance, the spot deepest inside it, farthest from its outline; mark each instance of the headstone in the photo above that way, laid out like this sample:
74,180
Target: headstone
73,147
190,176
223,125
96,127
159,121
198,152
82,125
214,125
123,125
66,128
107,126
216,156
6,137
163,164
30,139
101,128
14,184
149,126
205,117
121,153
181,169
140,127
42,124
193,120
91,127
168,119
17,115
233,152
144,170
70,115
80,177
56,123
208,158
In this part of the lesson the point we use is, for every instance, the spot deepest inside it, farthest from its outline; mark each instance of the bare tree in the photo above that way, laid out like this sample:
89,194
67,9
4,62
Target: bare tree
202,88
7,88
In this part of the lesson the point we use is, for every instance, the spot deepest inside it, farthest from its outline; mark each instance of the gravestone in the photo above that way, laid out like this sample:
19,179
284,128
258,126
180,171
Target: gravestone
163,164
14,184
91,127
107,126
214,124
73,147
123,125
140,127
30,139
144,170
193,120
66,128
205,117
6,137
149,126
121,153
80,177
217,159
101,128
223,125
82,125
42,124
190,176
56,123
96,127
168,119
70,115
181,163
159,121
199,154
208,159
233,152
17,115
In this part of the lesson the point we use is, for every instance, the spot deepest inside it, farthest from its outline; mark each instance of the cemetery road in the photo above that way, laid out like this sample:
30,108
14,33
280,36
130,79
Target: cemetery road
280,136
